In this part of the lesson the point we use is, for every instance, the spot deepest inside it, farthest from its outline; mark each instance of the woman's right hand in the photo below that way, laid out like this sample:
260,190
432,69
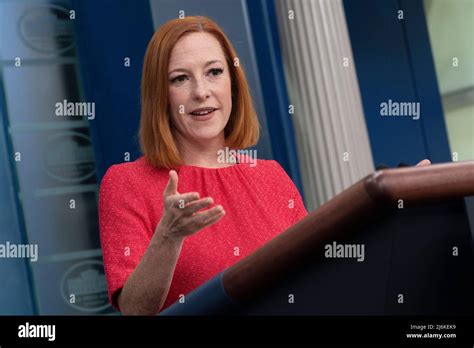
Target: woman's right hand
180,216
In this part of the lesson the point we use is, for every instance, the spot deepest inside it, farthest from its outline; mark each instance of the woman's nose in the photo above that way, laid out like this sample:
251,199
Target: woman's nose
200,90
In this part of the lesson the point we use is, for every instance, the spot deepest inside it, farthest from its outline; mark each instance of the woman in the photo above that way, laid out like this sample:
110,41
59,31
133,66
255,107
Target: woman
163,236
165,232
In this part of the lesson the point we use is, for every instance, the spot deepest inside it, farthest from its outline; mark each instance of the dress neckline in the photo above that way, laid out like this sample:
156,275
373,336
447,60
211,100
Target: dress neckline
242,160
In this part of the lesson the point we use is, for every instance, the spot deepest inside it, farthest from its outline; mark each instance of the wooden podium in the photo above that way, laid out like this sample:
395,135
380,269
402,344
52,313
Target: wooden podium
418,254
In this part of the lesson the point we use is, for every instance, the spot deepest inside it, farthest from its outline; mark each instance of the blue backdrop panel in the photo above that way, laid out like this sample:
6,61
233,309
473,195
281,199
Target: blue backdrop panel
393,62
107,32
270,68
424,76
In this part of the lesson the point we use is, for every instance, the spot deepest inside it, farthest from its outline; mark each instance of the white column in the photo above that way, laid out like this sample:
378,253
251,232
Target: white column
322,85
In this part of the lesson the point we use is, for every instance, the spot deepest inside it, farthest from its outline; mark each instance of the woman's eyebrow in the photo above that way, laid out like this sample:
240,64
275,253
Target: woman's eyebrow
208,63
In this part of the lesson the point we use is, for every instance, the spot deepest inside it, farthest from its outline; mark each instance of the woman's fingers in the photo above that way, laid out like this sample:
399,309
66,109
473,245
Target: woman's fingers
214,219
204,218
181,211
181,200
172,185
197,205
425,162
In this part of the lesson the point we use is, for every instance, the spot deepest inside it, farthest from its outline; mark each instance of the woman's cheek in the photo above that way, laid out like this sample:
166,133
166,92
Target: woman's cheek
177,103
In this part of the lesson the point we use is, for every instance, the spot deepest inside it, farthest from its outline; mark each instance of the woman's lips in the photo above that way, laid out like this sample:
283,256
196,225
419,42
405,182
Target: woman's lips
203,117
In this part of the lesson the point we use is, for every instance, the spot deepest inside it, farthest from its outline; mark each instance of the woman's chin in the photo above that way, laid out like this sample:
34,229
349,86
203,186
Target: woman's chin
206,136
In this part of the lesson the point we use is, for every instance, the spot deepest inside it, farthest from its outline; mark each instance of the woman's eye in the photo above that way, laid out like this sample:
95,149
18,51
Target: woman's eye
179,78
216,71
182,78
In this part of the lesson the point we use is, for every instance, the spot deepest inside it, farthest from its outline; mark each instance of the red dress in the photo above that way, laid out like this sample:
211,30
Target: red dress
259,199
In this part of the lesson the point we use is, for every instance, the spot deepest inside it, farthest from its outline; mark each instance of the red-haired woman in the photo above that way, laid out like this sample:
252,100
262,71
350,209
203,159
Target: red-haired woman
160,238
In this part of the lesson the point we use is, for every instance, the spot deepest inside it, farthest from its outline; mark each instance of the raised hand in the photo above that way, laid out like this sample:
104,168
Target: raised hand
181,216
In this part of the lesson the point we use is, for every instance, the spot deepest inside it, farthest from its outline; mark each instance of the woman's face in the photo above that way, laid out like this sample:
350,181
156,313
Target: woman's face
199,78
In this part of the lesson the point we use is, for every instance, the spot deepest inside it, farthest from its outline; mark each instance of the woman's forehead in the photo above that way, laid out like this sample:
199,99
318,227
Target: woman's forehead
195,47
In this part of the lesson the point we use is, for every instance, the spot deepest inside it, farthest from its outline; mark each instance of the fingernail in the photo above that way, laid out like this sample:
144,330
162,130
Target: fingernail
209,200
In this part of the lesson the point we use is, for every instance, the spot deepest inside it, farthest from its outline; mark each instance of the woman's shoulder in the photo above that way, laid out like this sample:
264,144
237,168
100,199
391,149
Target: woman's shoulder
270,167
134,172
274,174
121,171
251,160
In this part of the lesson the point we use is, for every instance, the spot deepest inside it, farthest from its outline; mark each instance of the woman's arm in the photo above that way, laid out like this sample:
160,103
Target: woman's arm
146,289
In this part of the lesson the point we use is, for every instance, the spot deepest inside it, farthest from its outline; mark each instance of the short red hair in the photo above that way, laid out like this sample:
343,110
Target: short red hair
157,141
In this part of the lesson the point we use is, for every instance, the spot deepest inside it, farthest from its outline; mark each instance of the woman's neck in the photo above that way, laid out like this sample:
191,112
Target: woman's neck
202,154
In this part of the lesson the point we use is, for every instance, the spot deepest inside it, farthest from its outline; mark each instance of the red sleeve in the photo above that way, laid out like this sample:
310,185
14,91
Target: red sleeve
295,201
123,228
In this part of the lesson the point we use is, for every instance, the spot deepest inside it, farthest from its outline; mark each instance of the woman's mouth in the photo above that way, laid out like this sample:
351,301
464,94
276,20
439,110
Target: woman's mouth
203,115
